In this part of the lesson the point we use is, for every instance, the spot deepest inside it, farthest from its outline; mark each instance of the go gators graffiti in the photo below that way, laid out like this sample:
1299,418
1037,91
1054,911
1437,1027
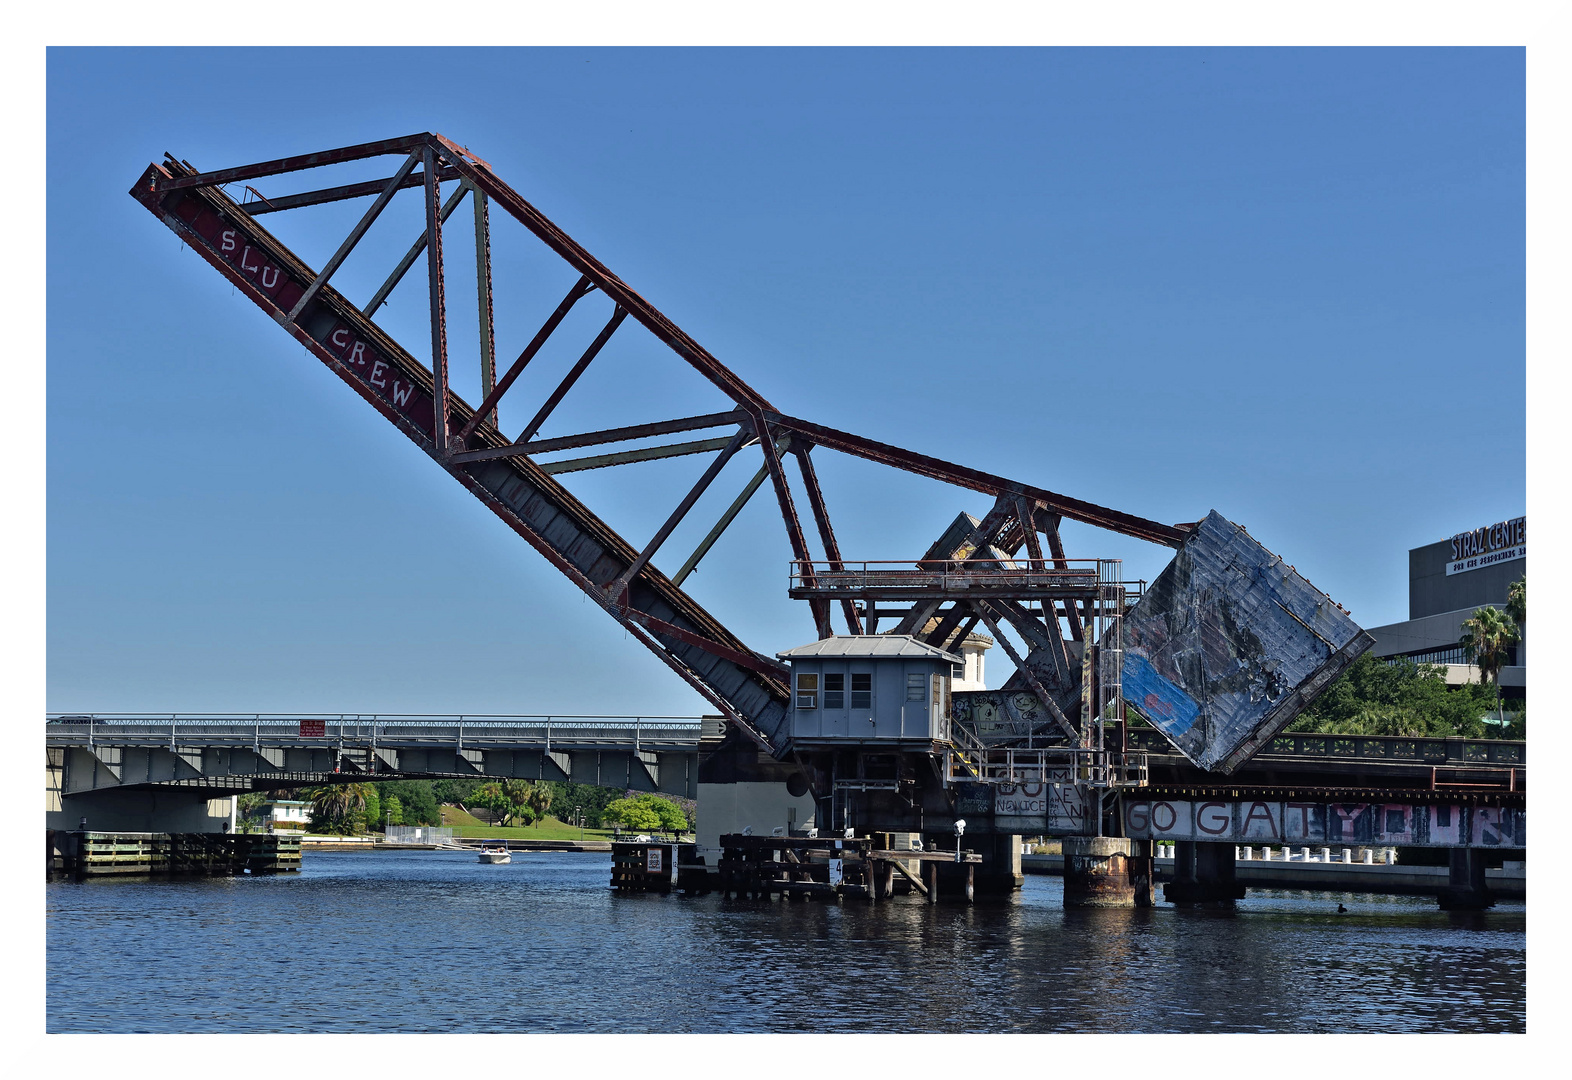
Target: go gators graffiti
1241,821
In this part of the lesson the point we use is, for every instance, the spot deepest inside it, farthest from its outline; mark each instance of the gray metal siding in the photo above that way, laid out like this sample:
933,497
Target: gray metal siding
1431,592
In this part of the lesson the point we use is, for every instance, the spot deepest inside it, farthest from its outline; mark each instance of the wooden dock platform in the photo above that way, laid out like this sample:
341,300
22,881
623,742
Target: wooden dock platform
97,854
760,867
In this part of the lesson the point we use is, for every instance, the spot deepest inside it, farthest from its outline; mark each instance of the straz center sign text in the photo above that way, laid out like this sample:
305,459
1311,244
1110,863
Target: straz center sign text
1498,543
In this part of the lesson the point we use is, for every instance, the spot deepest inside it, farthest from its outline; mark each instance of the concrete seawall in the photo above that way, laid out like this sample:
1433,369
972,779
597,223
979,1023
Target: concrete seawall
1509,884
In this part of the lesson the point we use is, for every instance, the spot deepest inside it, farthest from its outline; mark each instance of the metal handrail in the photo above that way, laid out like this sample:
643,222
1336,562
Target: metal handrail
1086,768
820,573
290,717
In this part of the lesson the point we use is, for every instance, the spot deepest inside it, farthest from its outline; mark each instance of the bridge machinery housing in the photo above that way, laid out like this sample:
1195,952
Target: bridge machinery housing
1207,665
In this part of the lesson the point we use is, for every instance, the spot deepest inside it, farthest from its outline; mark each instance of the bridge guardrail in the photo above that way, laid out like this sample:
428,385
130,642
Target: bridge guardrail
1397,749
295,729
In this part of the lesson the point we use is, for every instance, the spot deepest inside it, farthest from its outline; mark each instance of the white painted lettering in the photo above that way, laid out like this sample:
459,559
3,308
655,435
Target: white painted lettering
243,266
266,284
356,354
339,338
401,392
227,240
376,373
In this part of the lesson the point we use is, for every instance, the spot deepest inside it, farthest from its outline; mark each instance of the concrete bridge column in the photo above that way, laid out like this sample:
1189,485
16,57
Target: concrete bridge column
1000,871
1143,872
1466,889
1203,876
1097,872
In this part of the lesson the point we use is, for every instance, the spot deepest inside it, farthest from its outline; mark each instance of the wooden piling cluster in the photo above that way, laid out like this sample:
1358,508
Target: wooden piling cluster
95,854
649,866
761,867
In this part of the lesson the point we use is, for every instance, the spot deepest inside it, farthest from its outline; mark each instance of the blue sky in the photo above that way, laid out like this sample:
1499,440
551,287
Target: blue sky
1285,284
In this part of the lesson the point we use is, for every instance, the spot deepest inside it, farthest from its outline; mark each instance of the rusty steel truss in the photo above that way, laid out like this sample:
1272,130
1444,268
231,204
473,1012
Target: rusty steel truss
501,469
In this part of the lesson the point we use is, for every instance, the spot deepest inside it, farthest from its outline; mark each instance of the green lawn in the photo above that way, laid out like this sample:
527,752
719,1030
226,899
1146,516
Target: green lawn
548,828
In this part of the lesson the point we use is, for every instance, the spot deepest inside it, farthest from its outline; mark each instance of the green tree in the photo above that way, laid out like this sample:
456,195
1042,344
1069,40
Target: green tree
647,812
1400,697
250,809
416,798
393,811
1517,603
373,807
337,807
538,800
1486,638
453,792
508,800
493,798
569,799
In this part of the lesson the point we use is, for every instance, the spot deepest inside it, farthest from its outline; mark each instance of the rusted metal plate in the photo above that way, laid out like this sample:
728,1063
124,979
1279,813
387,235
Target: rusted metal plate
1229,645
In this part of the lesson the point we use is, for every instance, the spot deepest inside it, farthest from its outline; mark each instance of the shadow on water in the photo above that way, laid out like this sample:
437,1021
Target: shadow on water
401,941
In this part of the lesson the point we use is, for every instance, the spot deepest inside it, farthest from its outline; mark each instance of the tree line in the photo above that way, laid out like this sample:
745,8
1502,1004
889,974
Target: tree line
359,807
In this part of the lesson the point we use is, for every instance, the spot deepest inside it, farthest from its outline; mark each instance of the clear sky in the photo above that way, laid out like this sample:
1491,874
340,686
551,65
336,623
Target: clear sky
1285,284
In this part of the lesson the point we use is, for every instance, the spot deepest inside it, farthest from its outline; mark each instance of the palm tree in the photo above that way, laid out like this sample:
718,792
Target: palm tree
1517,602
538,800
333,803
1485,640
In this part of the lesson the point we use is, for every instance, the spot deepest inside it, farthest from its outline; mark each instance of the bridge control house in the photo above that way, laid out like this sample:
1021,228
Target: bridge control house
890,688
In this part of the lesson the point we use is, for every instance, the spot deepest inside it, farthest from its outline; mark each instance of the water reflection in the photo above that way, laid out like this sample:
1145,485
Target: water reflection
398,941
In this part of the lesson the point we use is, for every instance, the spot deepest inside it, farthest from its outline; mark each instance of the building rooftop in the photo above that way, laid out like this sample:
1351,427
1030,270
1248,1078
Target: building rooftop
882,646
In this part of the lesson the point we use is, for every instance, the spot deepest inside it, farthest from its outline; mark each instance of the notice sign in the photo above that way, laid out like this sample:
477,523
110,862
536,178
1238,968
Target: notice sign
1502,542
653,860
1021,800
313,729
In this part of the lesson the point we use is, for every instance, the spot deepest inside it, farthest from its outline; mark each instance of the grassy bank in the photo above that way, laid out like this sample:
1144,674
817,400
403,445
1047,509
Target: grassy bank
548,828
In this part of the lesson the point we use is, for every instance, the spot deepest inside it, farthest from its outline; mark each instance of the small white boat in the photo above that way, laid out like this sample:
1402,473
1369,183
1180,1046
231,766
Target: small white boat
495,853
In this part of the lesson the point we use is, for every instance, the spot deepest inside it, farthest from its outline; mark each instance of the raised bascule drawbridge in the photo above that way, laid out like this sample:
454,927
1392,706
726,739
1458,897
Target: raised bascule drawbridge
1219,653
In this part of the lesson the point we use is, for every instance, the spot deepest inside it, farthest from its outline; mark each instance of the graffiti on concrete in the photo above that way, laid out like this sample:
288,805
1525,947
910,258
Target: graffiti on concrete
1289,822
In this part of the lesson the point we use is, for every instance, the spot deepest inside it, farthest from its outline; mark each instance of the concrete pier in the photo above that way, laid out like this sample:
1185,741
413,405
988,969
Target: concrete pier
1466,889
1203,876
1097,872
1000,872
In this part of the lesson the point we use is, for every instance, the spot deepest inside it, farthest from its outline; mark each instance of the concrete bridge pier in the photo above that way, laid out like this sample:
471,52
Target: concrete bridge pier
1466,889
1143,872
1000,872
1203,876
1097,872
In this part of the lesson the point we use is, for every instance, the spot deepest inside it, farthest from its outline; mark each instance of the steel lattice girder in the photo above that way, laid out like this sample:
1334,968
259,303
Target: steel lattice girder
747,686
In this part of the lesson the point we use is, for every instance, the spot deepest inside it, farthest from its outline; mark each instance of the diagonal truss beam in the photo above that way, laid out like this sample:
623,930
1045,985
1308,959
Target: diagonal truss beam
580,289
821,516
299,162
799,543
274,203
629,457
573,375
610,435
1030,677
618,587
357,232
638,431
380,297
961,476
720,526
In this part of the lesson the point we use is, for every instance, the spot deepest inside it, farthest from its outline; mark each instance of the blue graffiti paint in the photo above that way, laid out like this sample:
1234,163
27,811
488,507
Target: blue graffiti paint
1159,700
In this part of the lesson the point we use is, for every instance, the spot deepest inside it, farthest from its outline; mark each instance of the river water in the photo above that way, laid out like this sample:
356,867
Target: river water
437,942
